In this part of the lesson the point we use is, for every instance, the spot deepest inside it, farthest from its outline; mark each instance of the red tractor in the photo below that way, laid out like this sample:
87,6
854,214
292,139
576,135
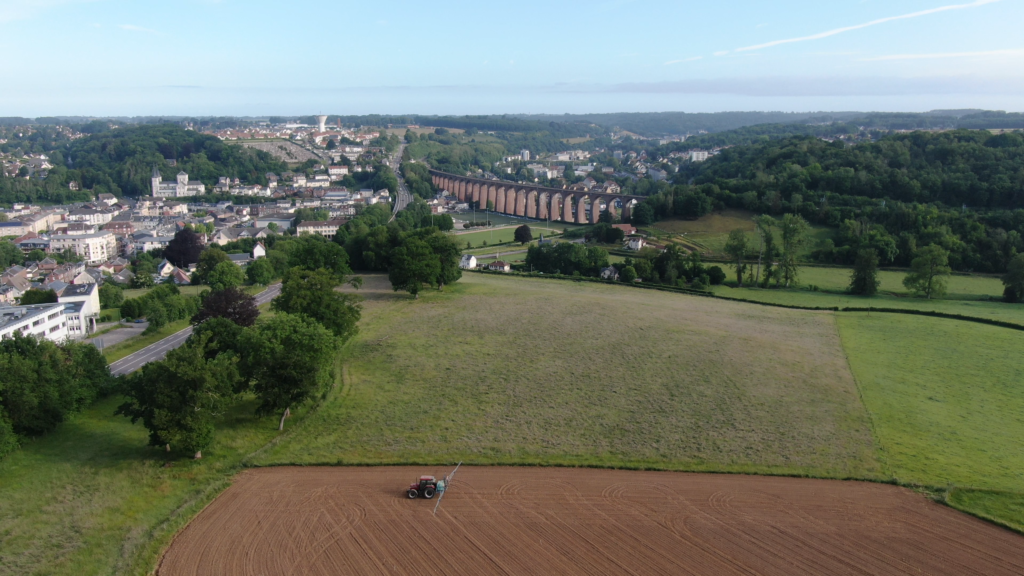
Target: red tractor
426,487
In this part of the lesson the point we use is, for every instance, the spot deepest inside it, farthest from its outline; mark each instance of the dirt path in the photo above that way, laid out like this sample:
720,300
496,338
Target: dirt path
577,521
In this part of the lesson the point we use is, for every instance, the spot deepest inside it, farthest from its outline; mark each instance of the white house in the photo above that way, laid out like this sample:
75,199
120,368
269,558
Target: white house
165,269
468,262
499,266
635,243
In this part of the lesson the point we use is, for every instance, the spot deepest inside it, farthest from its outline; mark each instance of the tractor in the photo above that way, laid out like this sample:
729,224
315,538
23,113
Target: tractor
426,487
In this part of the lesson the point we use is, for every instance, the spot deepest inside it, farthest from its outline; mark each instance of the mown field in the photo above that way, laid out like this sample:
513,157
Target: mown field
508,370
946,401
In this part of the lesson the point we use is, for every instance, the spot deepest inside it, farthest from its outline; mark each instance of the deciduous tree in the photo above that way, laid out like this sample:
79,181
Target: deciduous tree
928,271
180,398
184,249
312,294
413,264
260,272
523,234
289,359
225,275
737,247
1013,280
231,303
864,280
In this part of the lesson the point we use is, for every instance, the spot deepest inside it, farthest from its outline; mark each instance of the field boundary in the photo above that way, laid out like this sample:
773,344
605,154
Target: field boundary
708,294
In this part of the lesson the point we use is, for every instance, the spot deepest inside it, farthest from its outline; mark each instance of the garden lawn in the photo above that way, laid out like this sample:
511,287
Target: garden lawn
504,370
946,402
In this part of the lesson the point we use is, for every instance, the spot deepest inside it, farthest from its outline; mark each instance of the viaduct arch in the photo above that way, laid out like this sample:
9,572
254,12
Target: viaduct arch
543,203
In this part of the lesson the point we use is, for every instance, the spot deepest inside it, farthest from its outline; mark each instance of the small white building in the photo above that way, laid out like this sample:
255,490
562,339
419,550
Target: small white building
468,262
499,266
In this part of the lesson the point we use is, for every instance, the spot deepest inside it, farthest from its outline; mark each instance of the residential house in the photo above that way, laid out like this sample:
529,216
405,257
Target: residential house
225,235
499,266
165,268
468,262
609,273
635,243
627,229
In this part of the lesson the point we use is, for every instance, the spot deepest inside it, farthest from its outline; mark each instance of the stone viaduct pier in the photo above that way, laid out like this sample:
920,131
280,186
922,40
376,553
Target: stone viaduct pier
555,204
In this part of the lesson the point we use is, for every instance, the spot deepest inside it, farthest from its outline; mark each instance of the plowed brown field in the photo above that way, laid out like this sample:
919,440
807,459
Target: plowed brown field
312,521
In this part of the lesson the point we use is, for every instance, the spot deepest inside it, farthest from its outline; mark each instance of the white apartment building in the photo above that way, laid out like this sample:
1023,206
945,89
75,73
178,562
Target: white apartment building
93,248
524,155
91,216
325,228
39,320
698,155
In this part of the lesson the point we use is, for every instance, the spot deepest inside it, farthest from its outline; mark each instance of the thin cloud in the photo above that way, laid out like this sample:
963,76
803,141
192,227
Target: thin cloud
828,33
134,28
671,62
937,55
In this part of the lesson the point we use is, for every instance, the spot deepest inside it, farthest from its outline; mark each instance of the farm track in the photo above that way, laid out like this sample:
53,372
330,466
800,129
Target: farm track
580,521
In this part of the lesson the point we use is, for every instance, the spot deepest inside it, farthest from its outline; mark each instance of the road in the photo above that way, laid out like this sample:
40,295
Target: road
158,350
404,198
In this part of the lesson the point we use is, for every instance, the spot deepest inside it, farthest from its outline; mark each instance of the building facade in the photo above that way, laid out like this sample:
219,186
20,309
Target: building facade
44,321
93,248
178,188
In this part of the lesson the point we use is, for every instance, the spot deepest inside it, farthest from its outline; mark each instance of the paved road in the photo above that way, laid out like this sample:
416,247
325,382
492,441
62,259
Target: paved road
404,197
158,350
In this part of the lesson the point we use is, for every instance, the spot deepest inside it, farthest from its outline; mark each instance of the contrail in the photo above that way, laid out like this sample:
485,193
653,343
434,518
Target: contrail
821,35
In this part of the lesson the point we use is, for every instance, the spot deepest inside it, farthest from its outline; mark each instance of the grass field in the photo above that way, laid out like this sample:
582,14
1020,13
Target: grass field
946,404
959,287
511,370
91,498
802,297
496,235
712,231
186,290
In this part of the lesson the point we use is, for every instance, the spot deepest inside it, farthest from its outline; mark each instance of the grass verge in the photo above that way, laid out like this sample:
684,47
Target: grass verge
133,345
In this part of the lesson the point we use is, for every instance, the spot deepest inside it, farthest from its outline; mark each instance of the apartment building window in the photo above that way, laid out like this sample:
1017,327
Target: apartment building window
54,329
52,316
37,322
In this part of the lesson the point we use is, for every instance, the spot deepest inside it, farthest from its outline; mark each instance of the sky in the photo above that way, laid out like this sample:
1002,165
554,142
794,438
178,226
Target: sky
258,58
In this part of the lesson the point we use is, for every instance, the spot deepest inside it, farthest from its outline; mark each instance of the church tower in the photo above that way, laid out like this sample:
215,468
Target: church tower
155,181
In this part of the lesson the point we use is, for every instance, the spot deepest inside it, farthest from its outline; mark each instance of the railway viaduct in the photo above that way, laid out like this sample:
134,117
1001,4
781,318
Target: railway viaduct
555,204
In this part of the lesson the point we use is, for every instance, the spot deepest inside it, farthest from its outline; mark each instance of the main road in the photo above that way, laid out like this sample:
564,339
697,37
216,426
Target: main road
404,198
158,350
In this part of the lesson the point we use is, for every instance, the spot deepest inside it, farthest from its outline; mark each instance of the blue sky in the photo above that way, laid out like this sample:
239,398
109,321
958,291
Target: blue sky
255,57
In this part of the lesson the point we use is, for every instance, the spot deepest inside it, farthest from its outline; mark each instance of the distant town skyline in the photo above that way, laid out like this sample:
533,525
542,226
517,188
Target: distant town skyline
225,57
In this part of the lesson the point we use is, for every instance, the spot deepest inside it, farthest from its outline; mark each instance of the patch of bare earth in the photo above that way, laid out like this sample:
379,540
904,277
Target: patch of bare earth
315,521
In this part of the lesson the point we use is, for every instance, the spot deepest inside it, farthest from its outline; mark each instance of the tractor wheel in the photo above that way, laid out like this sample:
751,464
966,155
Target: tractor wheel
412,494
428,493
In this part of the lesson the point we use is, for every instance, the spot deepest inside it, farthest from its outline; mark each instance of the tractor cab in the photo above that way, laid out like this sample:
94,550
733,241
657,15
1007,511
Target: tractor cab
426,487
